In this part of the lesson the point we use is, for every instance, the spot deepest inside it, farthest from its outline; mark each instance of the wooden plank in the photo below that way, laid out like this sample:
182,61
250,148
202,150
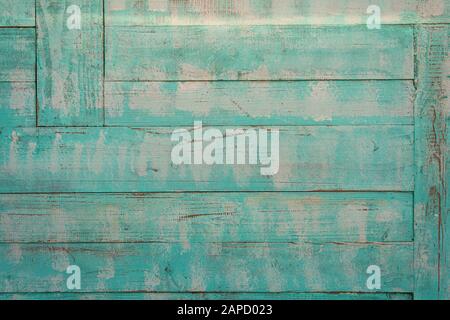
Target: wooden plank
237,267
17,104
260,103
431,154
207,217
17,54
70,73
206,296
445,280
17,13
258,53
314,12
378,158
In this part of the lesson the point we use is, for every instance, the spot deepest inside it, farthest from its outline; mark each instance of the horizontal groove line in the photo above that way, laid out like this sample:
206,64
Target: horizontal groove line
206,125
256,80
242,22
210,292
205,192
17,27
136,127
295,243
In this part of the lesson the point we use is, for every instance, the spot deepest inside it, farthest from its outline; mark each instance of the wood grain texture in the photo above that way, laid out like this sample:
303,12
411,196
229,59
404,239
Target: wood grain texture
70,64
17,13
431,154
258,53
237,267
17,104
206,296
445,283
259,103
241,12
208,217
17,54
139,160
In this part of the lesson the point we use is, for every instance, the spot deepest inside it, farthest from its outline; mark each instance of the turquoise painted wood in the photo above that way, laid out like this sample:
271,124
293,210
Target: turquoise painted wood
206,296
431,206
17,104
378,158
259,102
207,217
181,267
17,54
17,13
70,64
264,12
86,176
258,53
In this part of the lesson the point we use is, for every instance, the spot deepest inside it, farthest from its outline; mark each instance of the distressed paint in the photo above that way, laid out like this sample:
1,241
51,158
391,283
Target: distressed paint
207,217
431,154
70,64
259,102
206,296
355,142
267,12
17,54
17,104
258,53
378,158
241,267
17,13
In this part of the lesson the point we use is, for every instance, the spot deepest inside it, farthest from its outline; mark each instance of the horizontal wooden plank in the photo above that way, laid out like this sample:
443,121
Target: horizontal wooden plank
17,104
315,158
70,73
258,53
17,54
209,12
236,267
206,296
17,13
207,217
259,103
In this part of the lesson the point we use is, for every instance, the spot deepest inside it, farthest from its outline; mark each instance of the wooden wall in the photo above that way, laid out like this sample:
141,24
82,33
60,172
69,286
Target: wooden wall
86,176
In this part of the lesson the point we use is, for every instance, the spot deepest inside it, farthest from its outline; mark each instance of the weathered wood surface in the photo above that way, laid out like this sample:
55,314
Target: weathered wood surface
260,103
431,153
17,13
70,64
162,58
17,104
17,54
258,53
236,267
208,217
139,160
205,296
315,12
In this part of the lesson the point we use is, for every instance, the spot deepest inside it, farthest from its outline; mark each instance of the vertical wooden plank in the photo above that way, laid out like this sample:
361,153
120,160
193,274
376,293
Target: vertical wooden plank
70,63
431,144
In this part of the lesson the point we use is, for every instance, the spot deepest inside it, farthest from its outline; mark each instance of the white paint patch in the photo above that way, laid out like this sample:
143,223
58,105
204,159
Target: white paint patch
190,72
12,167
152,279
96,164
15,253
54,158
